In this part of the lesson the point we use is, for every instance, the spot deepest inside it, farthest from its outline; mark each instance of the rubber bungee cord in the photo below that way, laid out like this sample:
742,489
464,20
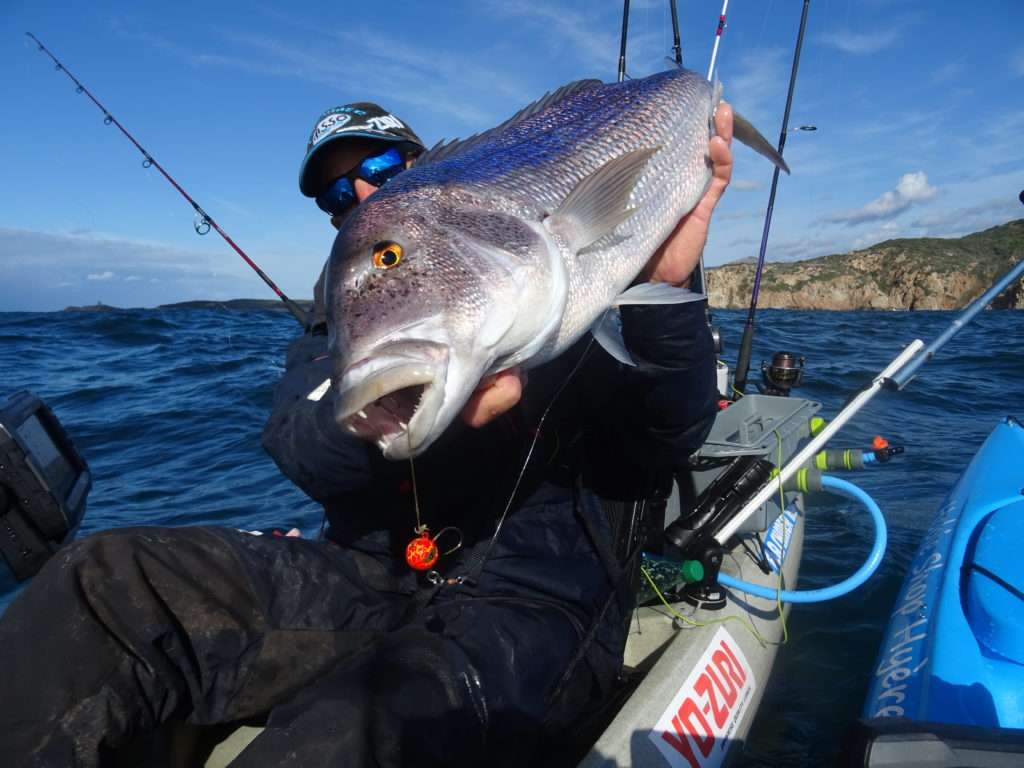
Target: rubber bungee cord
862,574
204,221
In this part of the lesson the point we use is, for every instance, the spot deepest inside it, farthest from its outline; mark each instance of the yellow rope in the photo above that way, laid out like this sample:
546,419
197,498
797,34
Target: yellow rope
747,625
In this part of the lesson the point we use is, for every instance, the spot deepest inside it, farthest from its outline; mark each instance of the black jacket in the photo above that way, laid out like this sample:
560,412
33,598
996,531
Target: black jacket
616,430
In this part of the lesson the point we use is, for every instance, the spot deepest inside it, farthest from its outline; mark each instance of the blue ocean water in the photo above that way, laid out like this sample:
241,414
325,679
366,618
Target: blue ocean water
167,407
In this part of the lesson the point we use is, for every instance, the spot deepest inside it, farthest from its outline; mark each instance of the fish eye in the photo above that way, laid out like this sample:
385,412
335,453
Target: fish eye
386,254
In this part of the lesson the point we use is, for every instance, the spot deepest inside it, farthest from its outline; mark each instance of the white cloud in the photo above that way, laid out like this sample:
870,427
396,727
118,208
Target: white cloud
950,71
860,43
912,188
46,270
757,83
745,184
958,222
1017,62
569,26
402,68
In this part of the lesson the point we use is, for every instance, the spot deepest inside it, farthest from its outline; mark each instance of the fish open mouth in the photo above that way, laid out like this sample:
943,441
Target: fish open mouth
386,416
392,396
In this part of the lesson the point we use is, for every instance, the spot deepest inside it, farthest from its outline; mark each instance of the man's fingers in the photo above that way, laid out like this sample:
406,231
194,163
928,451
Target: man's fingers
723,121
495,395
721,158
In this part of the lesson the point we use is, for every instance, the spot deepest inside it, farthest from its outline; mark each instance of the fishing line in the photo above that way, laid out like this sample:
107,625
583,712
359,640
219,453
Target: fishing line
764,23
204,222
475,568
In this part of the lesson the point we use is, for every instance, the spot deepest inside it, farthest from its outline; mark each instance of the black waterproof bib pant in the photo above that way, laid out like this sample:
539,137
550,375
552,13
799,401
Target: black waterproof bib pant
213,625
335,641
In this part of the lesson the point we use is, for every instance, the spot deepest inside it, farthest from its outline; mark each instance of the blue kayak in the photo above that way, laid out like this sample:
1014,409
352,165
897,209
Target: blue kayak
953,653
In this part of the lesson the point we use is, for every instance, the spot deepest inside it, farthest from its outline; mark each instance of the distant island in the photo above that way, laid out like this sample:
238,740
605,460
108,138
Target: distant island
275,304
908,273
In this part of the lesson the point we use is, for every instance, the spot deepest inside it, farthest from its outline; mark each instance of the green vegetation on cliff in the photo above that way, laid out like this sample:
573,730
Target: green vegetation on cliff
906,273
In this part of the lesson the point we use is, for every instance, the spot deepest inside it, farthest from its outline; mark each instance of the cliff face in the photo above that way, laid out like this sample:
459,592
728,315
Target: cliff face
922,273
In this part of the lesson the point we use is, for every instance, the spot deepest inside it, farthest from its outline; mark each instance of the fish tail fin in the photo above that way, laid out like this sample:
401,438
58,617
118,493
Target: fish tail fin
749,135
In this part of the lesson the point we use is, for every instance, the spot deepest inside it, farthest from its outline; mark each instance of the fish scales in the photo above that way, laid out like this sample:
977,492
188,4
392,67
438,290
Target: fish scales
528,169
486,278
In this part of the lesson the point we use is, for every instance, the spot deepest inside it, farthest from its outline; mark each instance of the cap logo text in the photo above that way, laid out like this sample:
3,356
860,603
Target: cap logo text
328,125
385,122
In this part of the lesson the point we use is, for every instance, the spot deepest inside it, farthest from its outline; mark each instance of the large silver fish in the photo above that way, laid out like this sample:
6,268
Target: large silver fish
505,248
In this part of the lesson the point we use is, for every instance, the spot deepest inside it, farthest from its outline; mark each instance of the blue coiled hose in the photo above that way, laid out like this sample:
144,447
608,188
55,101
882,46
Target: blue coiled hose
851,491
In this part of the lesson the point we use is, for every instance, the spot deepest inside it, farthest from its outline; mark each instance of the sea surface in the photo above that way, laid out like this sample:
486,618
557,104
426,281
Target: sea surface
167,407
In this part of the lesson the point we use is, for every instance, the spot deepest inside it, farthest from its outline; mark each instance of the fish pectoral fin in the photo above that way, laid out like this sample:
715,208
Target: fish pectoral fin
496,324
656,293
749,135
598,204
607,332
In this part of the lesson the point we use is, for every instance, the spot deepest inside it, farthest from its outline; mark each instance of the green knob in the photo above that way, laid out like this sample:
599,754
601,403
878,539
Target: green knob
691,571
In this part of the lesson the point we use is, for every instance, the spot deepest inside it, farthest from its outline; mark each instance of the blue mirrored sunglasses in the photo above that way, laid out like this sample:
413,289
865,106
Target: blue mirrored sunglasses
340,194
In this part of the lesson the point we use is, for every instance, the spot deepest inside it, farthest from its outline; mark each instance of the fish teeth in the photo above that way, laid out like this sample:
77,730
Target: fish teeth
363,414
403,425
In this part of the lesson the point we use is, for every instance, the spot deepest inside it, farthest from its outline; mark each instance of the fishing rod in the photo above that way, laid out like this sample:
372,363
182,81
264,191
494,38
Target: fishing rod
699,284
718,39
622,43
743,358
894,377
204,222
677,49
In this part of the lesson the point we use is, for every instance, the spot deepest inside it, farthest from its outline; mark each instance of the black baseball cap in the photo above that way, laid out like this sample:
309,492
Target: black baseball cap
363,120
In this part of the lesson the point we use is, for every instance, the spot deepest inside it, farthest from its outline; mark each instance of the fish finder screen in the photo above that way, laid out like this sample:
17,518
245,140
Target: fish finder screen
54,466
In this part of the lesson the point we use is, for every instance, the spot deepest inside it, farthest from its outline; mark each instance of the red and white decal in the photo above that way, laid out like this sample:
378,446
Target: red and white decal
696,729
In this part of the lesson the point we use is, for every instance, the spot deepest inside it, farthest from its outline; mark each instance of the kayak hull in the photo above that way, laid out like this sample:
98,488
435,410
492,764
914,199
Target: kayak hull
954,648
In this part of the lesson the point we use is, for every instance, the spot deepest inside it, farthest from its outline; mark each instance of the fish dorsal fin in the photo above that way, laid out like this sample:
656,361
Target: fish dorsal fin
448,148
598,204
749,135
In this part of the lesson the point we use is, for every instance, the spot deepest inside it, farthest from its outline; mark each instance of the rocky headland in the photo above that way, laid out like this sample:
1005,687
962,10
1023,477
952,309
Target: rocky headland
912,273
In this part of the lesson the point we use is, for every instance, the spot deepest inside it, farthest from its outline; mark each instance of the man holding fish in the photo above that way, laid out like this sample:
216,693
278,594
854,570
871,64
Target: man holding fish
468,605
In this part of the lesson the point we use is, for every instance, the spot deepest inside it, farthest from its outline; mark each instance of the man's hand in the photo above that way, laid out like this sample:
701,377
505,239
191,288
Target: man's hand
495,395
679,255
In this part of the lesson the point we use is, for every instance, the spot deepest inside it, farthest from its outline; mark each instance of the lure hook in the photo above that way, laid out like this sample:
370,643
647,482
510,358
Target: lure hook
440,533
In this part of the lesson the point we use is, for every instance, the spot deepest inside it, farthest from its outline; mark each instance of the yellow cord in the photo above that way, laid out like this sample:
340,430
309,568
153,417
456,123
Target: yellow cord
747,625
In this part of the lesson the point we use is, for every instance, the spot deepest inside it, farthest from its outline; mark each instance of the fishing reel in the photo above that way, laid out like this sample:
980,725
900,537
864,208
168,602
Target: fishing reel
785,372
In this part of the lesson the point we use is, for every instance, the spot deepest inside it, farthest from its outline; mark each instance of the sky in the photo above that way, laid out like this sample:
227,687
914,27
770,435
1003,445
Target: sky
918,106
